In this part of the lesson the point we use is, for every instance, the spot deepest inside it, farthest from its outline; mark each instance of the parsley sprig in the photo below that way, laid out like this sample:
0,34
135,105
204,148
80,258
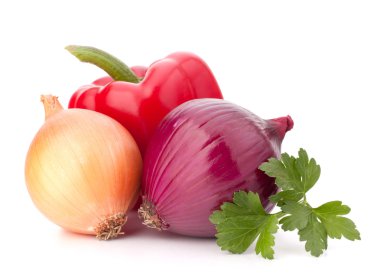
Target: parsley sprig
244,221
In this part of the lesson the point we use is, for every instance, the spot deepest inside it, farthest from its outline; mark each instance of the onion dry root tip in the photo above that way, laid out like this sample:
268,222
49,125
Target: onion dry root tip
110,227
150,218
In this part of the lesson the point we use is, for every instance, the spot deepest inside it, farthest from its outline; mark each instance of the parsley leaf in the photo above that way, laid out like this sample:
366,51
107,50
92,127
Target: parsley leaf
244,221
284,171
337,226
298,216
241,222
299,174
288,195
315,236
265,242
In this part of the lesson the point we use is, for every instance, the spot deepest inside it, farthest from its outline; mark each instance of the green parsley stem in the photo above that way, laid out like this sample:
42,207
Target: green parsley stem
279,214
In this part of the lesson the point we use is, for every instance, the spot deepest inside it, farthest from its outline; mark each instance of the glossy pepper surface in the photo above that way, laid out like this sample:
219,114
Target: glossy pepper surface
140,97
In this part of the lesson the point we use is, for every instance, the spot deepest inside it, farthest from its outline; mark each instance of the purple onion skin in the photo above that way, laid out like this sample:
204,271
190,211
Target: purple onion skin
202,152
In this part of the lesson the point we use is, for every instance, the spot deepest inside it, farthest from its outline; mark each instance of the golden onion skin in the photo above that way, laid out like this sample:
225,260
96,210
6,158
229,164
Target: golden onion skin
83,170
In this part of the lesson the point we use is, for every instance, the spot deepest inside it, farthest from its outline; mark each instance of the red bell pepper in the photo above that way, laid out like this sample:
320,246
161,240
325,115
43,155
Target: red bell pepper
141,97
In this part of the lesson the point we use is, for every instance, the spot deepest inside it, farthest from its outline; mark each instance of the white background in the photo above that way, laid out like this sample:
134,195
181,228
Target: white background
318,61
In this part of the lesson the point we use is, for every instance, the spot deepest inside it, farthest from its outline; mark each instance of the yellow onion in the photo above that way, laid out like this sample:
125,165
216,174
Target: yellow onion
83,170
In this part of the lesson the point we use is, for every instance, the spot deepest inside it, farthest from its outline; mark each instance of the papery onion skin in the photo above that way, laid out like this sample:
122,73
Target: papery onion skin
83,170
202,152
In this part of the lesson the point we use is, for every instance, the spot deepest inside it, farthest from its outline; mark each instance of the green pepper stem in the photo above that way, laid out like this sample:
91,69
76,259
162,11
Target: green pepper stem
105,61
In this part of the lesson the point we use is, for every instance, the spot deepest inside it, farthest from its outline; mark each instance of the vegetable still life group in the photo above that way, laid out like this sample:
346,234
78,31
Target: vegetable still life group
162,141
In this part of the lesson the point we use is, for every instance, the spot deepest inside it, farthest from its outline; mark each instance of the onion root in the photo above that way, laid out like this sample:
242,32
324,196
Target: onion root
148,214
110,228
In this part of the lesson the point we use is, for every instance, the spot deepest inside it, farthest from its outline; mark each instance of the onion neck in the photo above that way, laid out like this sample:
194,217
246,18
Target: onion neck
279,126
149,216
110,227
51,105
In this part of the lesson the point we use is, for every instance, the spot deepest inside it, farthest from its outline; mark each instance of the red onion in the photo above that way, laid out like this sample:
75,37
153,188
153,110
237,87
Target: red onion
202,152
